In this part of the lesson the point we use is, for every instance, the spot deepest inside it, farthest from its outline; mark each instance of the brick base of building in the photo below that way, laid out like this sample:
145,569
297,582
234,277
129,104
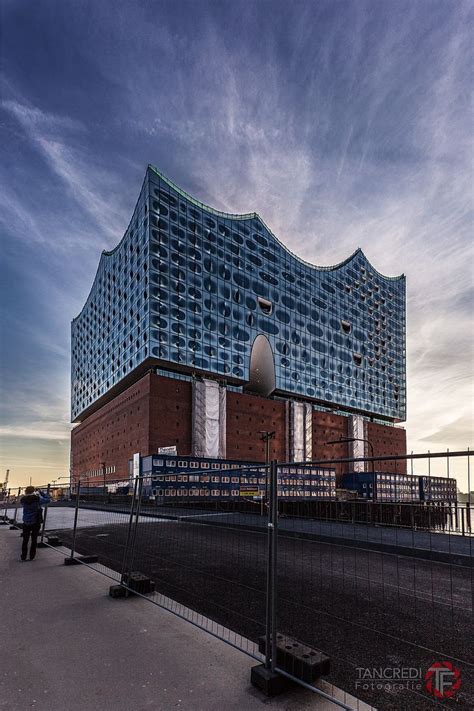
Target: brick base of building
156,411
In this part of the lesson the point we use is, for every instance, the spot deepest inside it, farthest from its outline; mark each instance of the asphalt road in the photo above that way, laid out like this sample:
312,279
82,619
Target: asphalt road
365,609
378,536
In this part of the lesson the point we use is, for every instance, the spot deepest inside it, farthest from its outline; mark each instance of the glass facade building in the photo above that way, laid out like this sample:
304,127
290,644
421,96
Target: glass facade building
193,290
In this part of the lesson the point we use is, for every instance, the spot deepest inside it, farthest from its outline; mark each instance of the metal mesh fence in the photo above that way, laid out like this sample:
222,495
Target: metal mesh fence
374,572
382,584
205,565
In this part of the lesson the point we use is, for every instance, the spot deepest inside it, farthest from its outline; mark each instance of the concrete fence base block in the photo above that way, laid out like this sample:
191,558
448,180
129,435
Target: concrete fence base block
41,544
13,527
89,558
3,523
270,683
296,658
72,561
139,583
54,541
118,591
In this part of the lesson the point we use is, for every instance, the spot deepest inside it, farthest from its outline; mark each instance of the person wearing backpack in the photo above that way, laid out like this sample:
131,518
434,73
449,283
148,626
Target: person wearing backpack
32,519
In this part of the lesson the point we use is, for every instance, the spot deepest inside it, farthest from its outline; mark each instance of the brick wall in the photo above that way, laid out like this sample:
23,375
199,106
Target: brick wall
326,427
170,414
247,415
154,412
157,412
113,433
388,440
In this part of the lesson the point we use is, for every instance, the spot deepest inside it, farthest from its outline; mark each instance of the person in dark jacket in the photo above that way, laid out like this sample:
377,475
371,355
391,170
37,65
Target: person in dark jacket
32,519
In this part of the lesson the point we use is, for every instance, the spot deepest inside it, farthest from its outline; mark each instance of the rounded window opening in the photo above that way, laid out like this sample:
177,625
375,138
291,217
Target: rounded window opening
265,306
346,326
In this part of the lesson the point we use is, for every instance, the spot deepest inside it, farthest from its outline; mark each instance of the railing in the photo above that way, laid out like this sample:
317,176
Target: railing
374,585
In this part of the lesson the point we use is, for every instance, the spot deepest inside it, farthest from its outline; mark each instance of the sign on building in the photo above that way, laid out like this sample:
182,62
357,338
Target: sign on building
168,450
249,491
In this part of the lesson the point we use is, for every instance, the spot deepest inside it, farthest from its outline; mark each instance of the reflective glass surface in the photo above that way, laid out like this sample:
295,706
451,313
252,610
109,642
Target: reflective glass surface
192,287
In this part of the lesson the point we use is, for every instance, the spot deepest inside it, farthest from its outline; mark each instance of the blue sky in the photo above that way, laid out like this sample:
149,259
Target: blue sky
343,123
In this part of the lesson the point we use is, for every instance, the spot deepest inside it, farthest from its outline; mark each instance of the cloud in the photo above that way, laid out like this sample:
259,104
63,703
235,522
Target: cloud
37,430
39,122
397,181
54,136
342,126
457,431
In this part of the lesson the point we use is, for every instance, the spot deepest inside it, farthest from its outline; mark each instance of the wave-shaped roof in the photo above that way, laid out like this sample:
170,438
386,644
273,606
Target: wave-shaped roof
235,216
256,216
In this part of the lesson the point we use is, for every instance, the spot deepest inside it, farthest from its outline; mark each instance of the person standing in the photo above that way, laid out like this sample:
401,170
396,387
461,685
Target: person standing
32,519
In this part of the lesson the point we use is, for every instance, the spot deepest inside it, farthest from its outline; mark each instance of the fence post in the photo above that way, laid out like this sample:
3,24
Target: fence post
268,616
76,511
17,501
44,517
138,506
5,510
8,505
129,531
274,476
272,527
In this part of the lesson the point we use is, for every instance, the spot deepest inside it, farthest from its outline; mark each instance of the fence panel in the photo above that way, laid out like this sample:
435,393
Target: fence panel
6,506
96,523
207,563
384,583
376,572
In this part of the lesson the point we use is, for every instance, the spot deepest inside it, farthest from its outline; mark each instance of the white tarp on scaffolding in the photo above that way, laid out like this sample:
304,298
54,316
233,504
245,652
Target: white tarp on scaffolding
308,432
300,424
222,422
356,429
209,419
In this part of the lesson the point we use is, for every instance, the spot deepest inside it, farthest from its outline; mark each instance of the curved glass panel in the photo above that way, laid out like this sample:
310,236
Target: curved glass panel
182,264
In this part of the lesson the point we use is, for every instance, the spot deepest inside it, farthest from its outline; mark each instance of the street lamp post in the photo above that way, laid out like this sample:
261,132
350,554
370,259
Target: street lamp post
266,437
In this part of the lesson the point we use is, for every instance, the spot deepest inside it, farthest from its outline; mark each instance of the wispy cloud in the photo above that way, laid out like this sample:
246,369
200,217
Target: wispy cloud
87,183
37,430
343,126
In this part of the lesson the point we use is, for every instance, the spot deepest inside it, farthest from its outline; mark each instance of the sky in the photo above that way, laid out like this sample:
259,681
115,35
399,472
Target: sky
344,124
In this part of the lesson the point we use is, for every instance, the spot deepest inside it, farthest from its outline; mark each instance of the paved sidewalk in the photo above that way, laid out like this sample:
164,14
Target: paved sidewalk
66,646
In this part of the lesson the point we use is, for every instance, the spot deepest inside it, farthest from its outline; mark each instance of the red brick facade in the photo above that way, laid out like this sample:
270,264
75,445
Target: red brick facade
170,414
157,411
385,441
249,415
154,412
328,427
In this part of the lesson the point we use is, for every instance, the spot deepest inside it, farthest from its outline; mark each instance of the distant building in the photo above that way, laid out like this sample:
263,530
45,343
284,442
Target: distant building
201,330
467,498
387,486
